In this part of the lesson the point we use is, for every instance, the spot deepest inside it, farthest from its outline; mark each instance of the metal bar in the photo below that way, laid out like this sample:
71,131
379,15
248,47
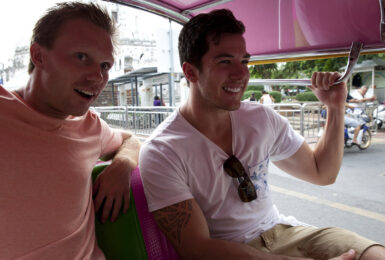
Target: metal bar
382,22
302,127
170,88
352,60
134,120
132,93
126,123
154,8
161,92
257,59
136,92
204,6
113,94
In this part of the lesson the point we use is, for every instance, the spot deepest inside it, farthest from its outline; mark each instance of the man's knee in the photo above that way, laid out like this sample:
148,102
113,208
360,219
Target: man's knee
333,241
373,252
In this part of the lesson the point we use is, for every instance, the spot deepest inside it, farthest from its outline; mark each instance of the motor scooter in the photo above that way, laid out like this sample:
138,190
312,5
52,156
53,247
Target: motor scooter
364,137
379,116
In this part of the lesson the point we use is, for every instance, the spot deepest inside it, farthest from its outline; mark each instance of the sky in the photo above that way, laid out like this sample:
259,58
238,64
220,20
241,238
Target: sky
17,19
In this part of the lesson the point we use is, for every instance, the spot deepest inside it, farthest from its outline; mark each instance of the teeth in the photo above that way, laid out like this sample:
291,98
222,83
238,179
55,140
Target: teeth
85,92
235,90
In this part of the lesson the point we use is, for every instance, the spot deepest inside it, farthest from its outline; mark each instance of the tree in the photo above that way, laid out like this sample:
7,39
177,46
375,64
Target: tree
303,69
264,71
297,69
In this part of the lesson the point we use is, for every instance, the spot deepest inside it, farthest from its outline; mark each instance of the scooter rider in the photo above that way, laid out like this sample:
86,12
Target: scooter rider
350,120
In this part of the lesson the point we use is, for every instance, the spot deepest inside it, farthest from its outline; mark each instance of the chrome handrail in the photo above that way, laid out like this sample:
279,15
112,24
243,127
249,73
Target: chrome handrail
355,50
382,22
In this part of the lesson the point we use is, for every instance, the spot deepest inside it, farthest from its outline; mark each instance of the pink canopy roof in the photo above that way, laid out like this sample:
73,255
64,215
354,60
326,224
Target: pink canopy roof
286,28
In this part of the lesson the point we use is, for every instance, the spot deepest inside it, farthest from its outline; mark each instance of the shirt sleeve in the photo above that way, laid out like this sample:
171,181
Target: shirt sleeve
163,175
111,139
286,140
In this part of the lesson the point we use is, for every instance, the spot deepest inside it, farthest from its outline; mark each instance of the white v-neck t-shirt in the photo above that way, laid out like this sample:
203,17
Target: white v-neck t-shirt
178,163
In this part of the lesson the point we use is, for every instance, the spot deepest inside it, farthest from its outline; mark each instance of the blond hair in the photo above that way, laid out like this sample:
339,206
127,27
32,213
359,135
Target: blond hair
48,26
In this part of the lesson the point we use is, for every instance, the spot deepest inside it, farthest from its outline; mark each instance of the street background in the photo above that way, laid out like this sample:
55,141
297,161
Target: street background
356,201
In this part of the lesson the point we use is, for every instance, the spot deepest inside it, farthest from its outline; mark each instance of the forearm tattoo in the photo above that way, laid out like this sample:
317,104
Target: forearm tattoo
172,219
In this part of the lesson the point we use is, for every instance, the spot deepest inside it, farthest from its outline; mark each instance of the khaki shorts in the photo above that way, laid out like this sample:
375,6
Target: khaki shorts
317,243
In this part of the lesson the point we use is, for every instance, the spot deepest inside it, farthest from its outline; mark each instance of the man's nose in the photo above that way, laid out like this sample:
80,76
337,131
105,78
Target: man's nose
240,71
95,74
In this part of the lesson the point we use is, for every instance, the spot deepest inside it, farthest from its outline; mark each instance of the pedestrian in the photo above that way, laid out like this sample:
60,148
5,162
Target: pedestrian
252,97
157,101
266,98
158,116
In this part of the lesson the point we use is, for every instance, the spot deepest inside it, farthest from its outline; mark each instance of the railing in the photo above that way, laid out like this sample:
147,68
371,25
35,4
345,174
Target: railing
304,118
140,120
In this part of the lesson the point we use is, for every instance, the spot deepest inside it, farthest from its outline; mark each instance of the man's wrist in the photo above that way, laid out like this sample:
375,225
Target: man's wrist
124,161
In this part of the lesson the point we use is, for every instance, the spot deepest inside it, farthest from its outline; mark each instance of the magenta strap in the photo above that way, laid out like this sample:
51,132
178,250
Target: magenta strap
157,246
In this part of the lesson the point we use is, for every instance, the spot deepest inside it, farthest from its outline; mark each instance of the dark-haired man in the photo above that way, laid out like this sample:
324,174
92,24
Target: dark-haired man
50,141
207,184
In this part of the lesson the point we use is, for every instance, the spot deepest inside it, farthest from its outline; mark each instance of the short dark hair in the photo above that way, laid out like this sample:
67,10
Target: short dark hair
48,26
194,37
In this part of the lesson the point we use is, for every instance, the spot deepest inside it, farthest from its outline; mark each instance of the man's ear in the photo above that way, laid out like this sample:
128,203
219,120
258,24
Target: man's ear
190,71
37,55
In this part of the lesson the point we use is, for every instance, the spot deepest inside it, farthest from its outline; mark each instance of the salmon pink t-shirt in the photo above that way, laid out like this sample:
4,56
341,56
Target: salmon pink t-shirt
46,208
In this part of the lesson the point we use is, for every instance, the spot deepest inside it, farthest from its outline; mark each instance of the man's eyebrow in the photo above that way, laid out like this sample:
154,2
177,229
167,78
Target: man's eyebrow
223,55
226,55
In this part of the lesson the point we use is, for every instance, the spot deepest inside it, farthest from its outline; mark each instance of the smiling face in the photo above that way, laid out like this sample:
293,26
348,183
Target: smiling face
224,75
74,71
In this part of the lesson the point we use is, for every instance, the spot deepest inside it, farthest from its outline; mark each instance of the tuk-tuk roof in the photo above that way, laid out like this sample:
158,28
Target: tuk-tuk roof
289,29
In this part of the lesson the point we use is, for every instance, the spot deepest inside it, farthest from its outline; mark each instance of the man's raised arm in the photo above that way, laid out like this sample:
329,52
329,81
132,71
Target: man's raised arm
321,165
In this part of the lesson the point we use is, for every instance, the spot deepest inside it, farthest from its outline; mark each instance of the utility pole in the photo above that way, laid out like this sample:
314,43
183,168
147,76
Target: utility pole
171,74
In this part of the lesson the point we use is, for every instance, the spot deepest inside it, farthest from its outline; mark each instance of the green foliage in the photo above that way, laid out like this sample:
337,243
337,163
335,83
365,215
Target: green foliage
380,56
247,94
296,69
276,95
302,69
255,88
264,71
306,96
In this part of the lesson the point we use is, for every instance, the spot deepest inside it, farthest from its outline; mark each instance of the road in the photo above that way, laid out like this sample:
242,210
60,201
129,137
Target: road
356,201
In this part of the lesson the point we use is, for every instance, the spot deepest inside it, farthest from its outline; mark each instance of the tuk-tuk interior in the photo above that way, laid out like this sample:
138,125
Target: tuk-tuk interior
276,31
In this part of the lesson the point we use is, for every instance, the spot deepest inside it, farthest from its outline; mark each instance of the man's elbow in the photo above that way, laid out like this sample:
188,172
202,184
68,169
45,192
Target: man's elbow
197,250
328,180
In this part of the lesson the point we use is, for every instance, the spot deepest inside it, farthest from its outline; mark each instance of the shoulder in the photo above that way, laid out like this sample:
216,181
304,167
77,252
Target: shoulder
170,133
90,124
6,94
